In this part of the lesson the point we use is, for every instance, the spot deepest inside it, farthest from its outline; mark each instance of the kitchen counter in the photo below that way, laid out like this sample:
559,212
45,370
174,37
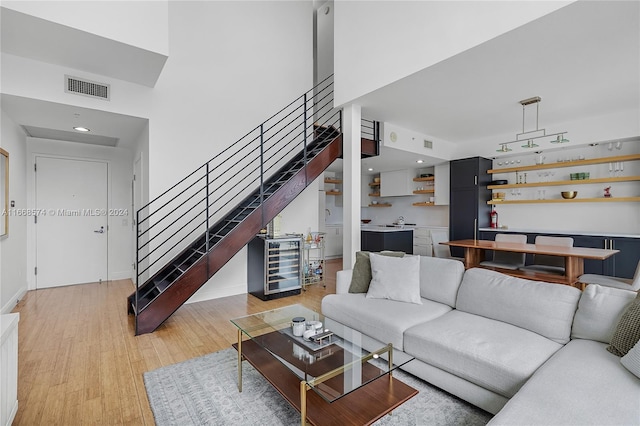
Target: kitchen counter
555,232
385,228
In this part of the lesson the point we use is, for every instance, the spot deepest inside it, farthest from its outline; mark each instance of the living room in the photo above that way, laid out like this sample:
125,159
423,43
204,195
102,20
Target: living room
183,120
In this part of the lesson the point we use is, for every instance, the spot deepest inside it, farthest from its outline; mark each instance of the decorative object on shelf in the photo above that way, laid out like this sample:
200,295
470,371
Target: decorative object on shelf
499,182
607,192
569,195
504,146
365,221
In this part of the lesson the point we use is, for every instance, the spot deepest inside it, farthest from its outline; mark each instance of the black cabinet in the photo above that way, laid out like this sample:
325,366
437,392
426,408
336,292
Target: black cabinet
624,264
621,265
395,240
468,208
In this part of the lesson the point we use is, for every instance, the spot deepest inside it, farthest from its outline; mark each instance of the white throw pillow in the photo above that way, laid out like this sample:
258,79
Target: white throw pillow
631,360
395,278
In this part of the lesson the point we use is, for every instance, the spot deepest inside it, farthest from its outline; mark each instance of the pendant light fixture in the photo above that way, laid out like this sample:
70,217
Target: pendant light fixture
527,136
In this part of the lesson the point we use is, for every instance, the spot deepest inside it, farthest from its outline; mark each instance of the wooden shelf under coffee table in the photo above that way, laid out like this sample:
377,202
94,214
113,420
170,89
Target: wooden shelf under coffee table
317,388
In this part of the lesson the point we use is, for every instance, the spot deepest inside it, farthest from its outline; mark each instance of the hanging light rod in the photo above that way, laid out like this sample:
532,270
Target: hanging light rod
527,135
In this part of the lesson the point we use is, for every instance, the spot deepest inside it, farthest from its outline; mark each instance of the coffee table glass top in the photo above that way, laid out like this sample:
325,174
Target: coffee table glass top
333,366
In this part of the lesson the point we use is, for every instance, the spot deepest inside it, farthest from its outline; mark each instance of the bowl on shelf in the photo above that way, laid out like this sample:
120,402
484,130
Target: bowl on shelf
569,195
365,220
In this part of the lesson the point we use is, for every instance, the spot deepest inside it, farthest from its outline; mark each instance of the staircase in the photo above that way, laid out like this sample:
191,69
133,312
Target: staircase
189,232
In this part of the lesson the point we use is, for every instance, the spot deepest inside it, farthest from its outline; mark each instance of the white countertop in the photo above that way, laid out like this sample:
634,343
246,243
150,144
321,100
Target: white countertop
383,228
546,231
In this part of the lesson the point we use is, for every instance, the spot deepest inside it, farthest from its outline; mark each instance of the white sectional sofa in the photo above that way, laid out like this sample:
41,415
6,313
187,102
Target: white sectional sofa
529,352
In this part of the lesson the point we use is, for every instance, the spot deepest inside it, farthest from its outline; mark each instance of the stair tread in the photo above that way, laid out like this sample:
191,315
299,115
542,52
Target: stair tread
169,276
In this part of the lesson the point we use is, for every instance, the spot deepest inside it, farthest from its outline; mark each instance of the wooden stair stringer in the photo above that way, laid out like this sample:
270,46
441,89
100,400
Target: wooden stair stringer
170,300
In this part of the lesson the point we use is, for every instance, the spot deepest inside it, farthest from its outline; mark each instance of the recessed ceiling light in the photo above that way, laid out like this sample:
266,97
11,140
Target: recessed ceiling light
81,129
370,169
419,161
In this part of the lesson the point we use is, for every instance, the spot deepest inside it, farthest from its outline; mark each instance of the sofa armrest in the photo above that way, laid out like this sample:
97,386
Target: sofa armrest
343,281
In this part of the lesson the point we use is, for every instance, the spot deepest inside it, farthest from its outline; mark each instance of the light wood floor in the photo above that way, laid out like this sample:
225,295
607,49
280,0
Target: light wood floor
80,363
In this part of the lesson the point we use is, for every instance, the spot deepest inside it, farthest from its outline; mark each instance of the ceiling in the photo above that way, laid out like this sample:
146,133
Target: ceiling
582,60
50,120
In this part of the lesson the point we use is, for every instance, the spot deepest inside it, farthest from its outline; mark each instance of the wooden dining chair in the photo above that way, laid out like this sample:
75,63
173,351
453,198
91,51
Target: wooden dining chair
507,259
607,281
545,263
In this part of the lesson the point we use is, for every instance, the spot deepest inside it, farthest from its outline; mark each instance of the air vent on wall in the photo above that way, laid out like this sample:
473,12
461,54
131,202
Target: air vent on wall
428,144
84,87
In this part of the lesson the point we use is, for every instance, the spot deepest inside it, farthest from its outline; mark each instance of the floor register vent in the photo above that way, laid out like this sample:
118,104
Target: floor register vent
84,87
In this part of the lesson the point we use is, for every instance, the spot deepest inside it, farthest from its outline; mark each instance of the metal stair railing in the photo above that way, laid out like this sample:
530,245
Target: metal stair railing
181,215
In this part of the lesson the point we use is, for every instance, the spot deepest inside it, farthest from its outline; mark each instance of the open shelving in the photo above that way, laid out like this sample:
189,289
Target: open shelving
630,157
605,180
566,182
562,200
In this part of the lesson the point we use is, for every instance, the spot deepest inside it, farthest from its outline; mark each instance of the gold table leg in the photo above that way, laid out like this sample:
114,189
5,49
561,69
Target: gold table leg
239,360
303,402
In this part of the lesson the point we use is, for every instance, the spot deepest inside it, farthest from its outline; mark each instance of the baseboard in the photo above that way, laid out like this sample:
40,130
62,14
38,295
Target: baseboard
215,292
120,275
13,301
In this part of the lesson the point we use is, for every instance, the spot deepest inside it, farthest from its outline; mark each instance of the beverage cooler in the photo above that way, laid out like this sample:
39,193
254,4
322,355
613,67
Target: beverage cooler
274,267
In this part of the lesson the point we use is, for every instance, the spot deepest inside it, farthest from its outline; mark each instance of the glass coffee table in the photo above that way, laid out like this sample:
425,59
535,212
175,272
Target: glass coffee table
350,384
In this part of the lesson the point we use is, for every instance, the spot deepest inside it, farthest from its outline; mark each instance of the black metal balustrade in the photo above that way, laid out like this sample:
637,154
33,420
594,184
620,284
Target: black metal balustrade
186,234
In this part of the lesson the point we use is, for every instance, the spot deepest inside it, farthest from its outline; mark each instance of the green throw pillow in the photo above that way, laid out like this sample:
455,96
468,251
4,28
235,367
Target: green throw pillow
361,277
627,332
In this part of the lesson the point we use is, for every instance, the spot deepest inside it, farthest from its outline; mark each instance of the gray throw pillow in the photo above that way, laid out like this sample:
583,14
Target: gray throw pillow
395,278
627,332
361,277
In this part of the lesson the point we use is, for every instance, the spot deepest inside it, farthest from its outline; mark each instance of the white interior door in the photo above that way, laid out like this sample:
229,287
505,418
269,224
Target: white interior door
71,227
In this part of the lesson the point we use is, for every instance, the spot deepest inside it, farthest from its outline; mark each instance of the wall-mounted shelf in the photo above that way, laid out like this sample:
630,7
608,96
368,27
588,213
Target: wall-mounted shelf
424,191
374,184
631,157
566,182
330,180
424,179
333,192
562,200
374,194
425,204
380,205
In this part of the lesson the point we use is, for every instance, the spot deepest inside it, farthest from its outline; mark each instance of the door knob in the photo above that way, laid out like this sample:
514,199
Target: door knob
99,231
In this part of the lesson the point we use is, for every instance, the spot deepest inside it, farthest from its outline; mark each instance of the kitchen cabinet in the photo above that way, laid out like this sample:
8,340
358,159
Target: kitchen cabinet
468,196
333,241
441,174
274,267
396,240
437,187
622,264
396,183
422,244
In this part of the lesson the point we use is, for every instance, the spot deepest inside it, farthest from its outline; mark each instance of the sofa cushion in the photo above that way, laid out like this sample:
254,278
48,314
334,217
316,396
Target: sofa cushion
544,308
627,331
384,320
440,279
599,311
492,354
582,384
361,276
395,278
631,360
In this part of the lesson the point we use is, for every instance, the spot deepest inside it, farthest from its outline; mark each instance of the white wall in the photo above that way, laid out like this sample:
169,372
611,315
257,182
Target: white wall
231,66
13,248
142,24
120,254
379,42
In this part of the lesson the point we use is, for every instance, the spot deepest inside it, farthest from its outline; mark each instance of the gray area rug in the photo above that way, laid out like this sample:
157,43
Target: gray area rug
204,391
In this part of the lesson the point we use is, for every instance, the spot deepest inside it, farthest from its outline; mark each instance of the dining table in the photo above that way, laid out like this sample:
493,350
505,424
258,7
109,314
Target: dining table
475,252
